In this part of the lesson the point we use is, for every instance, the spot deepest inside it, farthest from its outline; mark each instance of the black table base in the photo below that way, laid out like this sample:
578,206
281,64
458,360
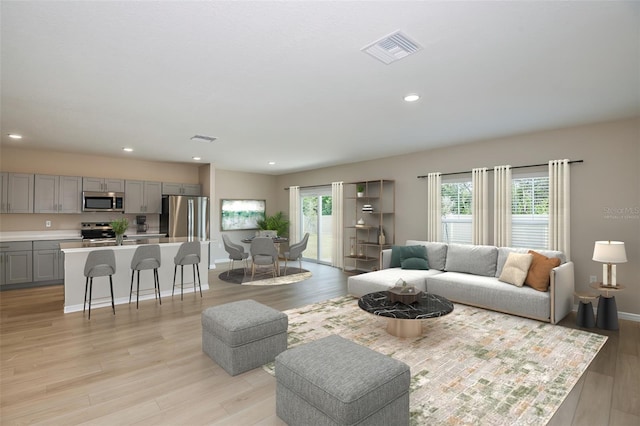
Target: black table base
585,318
607,313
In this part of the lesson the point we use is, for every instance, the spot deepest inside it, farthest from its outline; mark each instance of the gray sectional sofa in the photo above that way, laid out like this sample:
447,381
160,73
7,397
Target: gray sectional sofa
468,274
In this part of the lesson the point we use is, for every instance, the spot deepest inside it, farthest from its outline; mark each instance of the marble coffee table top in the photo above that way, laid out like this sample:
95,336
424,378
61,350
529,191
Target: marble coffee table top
428,306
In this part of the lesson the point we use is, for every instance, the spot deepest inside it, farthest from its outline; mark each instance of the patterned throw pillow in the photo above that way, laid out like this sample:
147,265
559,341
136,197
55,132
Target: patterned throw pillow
516,268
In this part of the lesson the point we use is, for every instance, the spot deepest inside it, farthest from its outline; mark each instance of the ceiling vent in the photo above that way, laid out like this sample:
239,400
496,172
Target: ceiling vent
392,47
203,138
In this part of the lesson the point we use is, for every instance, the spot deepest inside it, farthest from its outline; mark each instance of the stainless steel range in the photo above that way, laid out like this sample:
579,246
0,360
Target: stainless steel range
97,231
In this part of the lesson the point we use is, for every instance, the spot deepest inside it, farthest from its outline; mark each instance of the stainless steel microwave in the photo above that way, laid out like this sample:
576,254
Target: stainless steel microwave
102,201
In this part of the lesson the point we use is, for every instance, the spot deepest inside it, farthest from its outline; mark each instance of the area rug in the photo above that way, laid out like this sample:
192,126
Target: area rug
472,366
237,276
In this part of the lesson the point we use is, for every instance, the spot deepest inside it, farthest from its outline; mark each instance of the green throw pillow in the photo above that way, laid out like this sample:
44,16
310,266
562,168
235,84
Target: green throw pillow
414,263
398,253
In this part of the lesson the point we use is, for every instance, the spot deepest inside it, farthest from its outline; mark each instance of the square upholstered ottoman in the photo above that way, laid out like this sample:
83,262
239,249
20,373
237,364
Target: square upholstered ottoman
334,381
243,335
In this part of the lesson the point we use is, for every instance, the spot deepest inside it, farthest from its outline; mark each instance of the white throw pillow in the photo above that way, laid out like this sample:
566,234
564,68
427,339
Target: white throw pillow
515,268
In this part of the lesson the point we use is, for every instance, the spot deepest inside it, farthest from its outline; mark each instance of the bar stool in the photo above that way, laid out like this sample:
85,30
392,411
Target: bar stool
99,263
188,254
146,257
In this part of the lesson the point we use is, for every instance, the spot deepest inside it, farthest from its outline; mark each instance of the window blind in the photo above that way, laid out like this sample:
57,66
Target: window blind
457,212
530,212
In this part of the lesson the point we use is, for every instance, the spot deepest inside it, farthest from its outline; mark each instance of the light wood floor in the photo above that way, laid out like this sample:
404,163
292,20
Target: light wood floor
146,366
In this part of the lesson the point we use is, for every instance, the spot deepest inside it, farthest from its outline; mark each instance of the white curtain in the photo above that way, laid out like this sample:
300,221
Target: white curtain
502,206
480,208
337,221
434,206
294,214
559,206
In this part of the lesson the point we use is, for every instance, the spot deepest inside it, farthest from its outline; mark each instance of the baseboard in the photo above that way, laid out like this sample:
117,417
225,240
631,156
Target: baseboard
621,315
628,316
104,302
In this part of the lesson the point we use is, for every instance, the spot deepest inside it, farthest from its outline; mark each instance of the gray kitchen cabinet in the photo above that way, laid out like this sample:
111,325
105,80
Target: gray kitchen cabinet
16,262
46,193
17,195
191,189
70,195
57,194
102,184
153,197
169,188
46,265
134,196
142,197
48,261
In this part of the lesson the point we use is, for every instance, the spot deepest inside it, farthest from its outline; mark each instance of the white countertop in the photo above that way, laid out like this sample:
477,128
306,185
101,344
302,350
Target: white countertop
40,235
146,235
59,235
81,246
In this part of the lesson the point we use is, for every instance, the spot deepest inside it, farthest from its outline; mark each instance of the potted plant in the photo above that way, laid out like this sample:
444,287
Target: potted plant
276,222
360,190
119,226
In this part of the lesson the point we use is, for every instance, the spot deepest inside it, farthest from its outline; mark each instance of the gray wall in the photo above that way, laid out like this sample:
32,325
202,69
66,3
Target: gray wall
605,189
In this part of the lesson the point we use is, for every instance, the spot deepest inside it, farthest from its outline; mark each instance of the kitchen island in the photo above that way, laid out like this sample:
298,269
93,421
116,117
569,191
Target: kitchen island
75,255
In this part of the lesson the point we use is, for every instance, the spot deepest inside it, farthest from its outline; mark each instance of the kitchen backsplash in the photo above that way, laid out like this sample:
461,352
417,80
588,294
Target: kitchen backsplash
59,222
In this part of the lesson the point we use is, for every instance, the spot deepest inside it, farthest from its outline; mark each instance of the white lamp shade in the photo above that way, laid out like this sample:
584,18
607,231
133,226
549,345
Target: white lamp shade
609,252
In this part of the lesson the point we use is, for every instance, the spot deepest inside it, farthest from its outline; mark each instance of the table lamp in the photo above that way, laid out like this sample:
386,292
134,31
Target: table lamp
609,252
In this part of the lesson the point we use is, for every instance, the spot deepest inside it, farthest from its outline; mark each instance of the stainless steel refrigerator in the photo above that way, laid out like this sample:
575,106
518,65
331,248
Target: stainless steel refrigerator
185,216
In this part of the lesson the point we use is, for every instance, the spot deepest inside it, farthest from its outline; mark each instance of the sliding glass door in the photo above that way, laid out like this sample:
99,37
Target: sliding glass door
315,209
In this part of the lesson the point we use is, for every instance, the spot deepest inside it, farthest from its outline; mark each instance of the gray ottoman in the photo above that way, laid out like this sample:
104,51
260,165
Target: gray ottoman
333,381
243,335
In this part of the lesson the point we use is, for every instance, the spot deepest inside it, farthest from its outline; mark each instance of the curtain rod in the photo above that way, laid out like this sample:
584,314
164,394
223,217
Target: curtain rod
309,186
490,170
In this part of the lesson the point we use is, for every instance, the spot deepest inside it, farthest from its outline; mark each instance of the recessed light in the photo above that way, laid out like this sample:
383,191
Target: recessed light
272,163
197,158
412,97
15,136
124,148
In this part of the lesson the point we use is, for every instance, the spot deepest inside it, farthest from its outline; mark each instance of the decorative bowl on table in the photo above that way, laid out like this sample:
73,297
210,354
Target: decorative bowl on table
405,294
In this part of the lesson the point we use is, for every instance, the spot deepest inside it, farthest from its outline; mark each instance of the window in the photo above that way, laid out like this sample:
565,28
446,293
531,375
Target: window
456,212
316,207
530,212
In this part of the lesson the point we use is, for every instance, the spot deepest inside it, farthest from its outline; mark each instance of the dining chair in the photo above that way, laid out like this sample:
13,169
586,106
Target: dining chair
236,252
295,252
263,253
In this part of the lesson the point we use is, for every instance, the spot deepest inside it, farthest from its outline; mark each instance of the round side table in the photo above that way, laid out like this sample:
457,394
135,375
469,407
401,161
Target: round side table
585,317
607,309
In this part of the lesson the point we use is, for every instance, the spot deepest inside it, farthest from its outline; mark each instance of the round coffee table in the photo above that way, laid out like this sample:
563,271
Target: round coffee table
405,320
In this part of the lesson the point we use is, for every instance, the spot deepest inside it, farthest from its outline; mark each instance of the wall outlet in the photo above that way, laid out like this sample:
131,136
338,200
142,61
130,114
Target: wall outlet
47,224
593,279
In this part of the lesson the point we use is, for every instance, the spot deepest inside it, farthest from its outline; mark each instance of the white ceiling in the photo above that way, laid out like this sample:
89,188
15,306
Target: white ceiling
287,82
